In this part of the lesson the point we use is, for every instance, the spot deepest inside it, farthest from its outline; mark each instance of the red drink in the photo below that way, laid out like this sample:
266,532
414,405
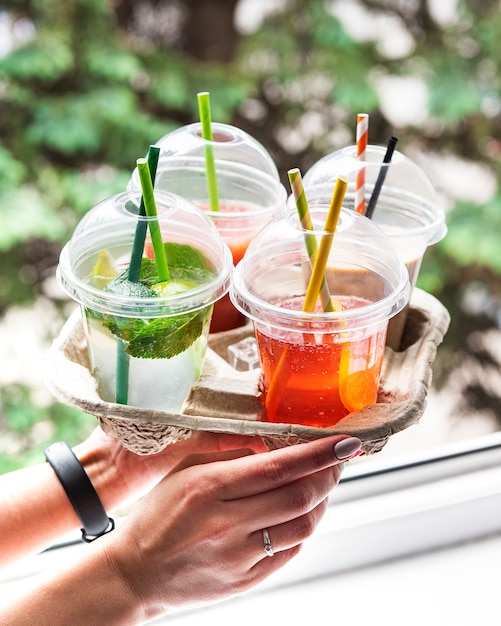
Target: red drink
316,379
236,228
225,316
237,224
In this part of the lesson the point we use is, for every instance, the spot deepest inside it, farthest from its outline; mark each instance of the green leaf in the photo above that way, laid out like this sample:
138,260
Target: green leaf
13,171
182,256
122,286
163,338
112,63
473,234
65,126
453,93
159,338
25,214
44,60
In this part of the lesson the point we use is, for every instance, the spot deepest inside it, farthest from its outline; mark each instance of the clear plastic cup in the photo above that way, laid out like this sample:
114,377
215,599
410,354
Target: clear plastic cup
146,338
319,367
406,210
249,188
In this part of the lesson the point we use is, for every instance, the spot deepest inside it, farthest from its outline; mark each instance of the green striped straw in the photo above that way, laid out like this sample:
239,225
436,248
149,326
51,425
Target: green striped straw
210,166
318,272
299,194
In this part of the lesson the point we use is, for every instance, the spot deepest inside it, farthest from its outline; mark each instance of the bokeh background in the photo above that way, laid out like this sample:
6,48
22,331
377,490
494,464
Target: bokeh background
87,85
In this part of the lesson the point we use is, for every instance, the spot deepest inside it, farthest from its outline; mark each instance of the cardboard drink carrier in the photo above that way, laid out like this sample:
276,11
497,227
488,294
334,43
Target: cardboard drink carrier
226,400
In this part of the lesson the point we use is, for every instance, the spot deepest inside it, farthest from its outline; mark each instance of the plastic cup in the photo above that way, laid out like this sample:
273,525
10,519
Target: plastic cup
407,209
319,367
250,192
146,340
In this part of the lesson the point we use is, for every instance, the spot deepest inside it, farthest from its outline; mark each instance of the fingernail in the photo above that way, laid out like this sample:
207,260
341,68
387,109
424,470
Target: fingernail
346,448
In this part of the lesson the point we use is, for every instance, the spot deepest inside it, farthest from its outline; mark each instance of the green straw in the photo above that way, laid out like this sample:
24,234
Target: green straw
142,226
151,211
310,240
122,374
122,358
210,166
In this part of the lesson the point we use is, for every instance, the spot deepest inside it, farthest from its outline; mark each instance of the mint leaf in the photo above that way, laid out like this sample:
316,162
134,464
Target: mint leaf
185,263
149,275
182,255
122,286
163,338
159,338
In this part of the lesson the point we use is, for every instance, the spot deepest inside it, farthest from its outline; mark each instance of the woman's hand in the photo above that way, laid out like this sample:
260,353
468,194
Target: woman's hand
120,476
195,538
198,536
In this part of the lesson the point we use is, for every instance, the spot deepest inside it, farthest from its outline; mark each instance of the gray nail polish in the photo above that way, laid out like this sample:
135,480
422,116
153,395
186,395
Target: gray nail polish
346,448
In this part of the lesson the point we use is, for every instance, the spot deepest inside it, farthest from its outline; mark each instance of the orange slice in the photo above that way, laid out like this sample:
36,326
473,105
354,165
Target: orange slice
357,389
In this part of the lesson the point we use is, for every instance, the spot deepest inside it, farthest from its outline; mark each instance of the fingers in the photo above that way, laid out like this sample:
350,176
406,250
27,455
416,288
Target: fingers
269,489
285,504
291,534
259,473
210,457
200,530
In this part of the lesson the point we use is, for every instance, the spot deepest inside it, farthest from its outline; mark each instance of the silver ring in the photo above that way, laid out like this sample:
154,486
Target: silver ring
268,548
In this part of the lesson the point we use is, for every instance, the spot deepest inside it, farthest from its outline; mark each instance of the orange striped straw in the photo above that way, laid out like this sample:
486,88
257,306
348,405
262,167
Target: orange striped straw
362,140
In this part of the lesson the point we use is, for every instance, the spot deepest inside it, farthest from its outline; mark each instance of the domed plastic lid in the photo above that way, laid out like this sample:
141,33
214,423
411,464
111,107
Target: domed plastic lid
229,144
105,240
399,186
360,252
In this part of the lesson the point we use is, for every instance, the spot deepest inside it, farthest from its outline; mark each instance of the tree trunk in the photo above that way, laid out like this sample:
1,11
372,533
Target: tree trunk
204,29
209,32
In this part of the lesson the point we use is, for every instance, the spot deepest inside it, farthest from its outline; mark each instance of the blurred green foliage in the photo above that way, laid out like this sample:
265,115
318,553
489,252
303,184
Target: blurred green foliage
31,427
89,84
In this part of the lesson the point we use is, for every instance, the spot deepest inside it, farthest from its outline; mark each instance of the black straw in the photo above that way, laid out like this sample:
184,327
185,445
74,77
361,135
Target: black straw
392,144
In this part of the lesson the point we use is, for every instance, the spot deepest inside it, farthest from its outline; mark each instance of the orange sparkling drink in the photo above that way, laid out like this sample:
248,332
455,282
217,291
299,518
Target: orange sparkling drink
318,366
317,378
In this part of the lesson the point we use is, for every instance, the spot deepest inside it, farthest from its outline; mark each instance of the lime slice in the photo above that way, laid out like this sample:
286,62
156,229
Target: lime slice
172,287
104,270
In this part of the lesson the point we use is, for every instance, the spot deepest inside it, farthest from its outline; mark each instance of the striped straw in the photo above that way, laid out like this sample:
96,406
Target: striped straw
318,258
322,255
362,141
299,194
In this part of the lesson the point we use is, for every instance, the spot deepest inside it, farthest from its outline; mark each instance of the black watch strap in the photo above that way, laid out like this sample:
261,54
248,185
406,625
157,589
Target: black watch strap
79,490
